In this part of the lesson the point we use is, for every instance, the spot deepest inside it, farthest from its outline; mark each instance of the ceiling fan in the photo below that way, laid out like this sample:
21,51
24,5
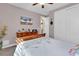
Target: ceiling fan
42,4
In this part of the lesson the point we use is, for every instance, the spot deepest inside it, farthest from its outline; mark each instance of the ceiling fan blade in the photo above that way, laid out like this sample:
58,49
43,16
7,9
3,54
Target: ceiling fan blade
50,3
35,4
42,6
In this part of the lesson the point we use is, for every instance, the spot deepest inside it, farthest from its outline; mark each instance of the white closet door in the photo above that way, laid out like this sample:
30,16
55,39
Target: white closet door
60,25
73,15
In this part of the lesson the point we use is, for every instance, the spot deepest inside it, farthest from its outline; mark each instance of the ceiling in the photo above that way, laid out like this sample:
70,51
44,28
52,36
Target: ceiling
38,9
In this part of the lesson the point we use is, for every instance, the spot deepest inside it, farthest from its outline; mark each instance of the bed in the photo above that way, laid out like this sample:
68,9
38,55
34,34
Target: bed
43,46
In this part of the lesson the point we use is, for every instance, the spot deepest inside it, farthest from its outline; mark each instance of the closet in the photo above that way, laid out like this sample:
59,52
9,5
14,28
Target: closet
66,24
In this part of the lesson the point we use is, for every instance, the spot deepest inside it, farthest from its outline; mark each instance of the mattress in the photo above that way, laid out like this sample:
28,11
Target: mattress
43,47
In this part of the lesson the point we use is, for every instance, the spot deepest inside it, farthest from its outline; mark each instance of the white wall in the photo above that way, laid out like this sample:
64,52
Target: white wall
51,27
10,16
66,24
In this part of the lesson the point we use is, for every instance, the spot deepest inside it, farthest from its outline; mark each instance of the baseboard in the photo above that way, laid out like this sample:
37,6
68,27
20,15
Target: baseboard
9,45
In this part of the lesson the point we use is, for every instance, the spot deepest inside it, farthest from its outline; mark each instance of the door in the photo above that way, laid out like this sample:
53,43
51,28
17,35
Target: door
45,25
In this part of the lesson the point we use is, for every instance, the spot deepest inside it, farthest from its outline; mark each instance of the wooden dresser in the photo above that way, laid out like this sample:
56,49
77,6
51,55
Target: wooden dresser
24,36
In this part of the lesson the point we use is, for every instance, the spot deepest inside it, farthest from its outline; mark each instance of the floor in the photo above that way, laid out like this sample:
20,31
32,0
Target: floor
7,51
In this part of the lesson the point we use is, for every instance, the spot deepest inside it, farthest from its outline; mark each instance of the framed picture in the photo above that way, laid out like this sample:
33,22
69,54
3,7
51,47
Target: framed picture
25,20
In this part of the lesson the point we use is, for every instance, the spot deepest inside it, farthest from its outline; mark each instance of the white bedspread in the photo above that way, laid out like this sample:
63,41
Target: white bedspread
43,47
